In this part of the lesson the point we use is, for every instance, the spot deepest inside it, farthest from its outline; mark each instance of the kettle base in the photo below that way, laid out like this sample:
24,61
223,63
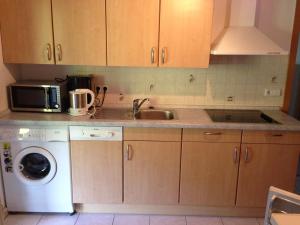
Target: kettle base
78,112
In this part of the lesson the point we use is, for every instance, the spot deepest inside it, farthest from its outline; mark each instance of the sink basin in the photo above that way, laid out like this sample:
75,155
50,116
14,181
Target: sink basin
154,115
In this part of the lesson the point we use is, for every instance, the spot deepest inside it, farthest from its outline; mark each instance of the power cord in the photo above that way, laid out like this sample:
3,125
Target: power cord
99,101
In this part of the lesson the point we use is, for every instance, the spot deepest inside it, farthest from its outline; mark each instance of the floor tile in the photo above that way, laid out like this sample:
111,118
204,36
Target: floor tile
131,220
239,221
22,219
61,219
95,219
260,221
167,220
200,220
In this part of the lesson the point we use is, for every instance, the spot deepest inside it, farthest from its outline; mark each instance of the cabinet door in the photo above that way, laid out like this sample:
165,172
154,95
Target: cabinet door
209,173
263,165
132,32
185,33
26,30
96,171
79,32
151,172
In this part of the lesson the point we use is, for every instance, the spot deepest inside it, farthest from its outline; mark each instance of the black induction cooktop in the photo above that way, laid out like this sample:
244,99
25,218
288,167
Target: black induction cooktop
239,116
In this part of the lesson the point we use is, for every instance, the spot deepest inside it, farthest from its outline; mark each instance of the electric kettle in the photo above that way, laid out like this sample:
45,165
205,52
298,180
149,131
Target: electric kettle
79,105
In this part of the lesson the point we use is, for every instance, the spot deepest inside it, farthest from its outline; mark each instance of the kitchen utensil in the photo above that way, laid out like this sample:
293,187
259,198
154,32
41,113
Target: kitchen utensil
79,104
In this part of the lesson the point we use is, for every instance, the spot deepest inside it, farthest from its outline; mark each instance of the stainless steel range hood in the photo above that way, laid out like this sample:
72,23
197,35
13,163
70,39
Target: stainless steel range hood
252,27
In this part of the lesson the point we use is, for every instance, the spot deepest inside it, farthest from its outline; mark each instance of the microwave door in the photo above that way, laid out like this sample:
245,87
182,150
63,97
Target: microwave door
29,98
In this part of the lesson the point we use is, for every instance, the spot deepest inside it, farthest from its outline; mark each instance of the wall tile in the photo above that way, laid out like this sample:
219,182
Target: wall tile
243,77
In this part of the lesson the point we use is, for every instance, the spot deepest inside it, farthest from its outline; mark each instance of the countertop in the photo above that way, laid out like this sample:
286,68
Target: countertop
285,219
184,118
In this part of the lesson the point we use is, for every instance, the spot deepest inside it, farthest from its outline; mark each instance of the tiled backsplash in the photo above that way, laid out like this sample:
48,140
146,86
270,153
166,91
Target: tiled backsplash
241,78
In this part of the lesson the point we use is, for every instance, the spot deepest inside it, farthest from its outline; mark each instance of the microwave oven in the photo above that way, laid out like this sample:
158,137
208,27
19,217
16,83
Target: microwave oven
34,96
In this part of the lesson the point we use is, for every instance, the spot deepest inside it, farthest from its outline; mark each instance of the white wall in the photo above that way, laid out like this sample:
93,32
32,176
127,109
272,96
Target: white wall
278,27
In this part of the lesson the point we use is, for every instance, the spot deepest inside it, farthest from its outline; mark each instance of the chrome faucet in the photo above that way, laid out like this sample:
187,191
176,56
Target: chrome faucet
136,105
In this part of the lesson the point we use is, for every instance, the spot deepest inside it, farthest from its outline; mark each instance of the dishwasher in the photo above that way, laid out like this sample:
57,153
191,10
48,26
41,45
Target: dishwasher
96,133
96,160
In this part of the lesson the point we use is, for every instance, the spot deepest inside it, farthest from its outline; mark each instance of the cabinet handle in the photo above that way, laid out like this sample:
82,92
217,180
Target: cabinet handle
236,155
152,55
276,135
49,52
246,156
129,152
212,133
163,55
59,52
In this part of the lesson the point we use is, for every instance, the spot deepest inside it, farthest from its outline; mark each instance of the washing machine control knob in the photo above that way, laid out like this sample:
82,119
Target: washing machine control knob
7,160
8,169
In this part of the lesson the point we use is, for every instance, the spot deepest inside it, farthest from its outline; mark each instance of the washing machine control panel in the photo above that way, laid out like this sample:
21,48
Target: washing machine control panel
44,134
7,158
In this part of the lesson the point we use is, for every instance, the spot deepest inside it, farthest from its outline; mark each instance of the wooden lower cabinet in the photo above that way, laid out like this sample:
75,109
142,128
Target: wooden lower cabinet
209,173
151,172
263,165
96,171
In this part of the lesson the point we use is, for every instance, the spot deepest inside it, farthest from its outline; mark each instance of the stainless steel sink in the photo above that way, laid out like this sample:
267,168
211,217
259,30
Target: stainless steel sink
154,114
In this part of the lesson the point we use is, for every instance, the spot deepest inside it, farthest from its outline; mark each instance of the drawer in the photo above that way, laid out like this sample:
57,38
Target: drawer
152,134
271,137
204,135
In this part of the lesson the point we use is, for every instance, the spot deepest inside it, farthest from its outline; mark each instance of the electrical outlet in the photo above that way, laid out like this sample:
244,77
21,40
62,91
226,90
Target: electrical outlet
273,92
267,92
230,98
105,87
98,89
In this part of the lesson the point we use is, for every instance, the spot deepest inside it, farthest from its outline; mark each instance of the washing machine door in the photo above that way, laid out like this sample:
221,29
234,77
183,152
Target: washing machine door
34,165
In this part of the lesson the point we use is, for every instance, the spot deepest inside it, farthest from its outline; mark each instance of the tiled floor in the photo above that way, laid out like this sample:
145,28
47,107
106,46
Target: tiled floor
109,219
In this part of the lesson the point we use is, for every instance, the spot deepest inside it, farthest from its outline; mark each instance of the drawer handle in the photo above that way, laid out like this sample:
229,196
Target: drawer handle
152,55
276,135
235,155
129,152
49,52
103,135
59,52
163,55
246,156
212,133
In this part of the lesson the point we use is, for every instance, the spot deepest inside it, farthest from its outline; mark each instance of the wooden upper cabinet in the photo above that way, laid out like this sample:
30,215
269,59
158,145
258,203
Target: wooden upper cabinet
132,32
26,30
79,32
185,33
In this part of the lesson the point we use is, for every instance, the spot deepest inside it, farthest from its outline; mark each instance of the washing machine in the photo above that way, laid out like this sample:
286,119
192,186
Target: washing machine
36,171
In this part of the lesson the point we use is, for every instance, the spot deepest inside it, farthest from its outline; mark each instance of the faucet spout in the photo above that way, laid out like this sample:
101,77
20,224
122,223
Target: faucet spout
137,105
